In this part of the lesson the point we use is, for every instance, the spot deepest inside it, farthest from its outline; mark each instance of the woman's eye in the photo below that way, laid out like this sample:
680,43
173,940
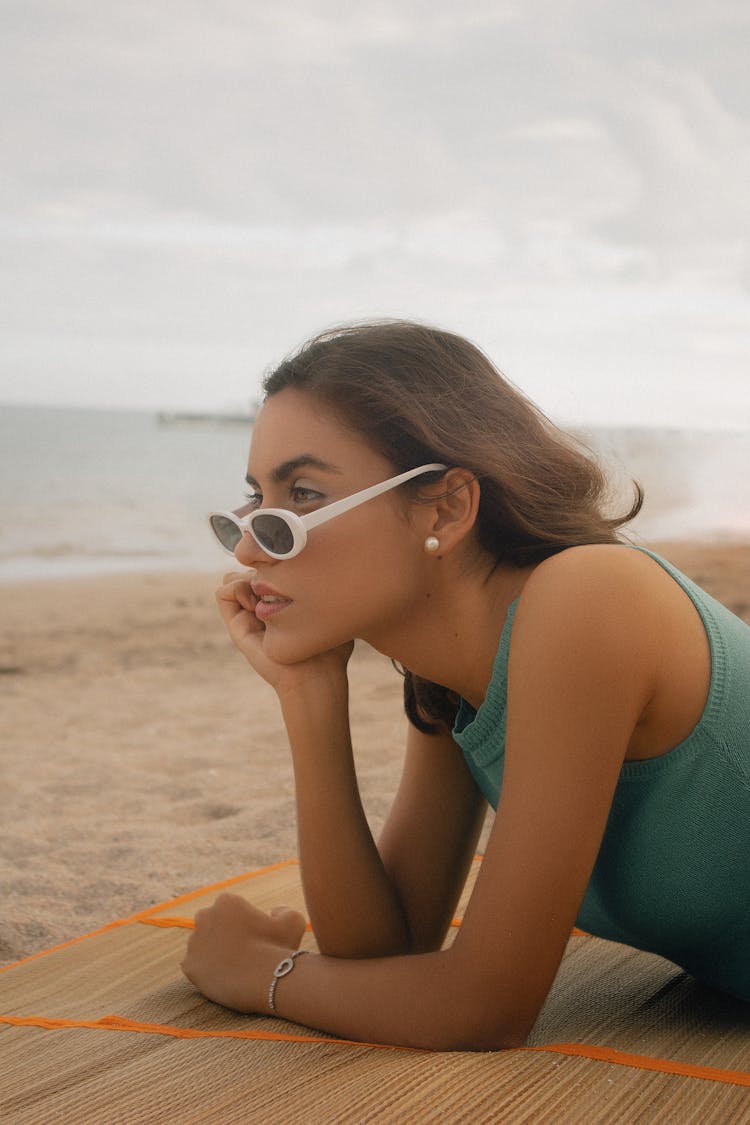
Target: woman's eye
301,495
253,499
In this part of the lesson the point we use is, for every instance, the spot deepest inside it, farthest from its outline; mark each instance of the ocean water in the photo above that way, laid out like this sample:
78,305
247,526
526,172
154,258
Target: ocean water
89,491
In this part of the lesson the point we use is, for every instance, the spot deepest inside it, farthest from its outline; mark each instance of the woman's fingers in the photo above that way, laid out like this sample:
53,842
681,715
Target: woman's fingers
237,602
235,595
281,925
291,924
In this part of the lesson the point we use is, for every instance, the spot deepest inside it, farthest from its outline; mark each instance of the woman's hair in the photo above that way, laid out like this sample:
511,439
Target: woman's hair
418,395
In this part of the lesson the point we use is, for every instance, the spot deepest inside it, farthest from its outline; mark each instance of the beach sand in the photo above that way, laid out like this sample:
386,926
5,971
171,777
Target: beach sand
142,758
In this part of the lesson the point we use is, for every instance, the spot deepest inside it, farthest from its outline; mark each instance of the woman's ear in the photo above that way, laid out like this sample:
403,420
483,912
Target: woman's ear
453,510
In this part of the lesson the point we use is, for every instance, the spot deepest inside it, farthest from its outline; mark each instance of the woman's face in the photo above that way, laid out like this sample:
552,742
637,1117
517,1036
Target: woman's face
363,574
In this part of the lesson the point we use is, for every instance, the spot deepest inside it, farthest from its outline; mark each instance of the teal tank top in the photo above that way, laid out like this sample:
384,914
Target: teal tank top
673,871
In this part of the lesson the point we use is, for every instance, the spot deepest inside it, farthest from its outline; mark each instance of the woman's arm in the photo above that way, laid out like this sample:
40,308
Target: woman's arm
581,673
364,902
431,835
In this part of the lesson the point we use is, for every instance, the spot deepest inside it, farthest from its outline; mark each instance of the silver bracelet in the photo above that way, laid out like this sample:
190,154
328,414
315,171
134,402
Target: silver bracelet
282,969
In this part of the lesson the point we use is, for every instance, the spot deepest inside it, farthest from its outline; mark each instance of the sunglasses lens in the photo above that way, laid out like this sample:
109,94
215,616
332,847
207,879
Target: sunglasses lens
273,534
226,531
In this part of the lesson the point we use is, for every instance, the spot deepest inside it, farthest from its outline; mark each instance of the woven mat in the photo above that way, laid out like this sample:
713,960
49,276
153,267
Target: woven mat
106,1029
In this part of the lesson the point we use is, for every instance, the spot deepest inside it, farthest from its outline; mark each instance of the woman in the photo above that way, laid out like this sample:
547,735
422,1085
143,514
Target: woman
592,693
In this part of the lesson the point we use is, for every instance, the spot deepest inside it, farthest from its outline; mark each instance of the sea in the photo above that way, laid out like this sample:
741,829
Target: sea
93,491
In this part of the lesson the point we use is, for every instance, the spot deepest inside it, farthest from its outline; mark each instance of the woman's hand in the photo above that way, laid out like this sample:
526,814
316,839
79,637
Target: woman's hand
234,949
237,603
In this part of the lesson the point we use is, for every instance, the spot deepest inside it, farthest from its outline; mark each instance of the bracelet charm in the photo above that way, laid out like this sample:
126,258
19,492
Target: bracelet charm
282,969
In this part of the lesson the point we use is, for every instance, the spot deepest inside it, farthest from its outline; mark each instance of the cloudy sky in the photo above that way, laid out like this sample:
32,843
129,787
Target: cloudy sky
191,187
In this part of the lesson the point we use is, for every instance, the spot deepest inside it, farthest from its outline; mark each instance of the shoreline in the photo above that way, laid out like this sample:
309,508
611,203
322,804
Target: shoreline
141,758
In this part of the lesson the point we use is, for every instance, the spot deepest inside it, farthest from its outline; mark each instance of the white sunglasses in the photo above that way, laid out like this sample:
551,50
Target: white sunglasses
282,534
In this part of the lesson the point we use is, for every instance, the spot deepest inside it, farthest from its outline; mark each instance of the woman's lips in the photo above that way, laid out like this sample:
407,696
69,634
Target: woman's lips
269,604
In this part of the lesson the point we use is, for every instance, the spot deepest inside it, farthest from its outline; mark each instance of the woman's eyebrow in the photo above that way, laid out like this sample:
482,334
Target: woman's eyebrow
305,461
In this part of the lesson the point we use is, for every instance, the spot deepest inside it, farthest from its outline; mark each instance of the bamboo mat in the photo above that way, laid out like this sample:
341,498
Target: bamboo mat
106,1029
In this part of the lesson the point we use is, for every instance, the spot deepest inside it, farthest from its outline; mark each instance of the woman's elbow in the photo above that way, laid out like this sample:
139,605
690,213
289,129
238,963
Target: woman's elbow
476,1039
482,1014
485,1036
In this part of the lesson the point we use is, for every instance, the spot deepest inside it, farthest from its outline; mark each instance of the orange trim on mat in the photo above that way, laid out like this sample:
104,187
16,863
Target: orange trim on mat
189,924
646,1062
184,923
216,887
147,916
119,1023
143,914
168,923
580,1050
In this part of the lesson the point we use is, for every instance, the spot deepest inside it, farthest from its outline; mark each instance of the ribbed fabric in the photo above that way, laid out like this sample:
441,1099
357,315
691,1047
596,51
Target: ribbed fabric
673,872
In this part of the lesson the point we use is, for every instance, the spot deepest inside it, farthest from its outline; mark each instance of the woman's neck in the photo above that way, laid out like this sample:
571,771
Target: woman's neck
453,639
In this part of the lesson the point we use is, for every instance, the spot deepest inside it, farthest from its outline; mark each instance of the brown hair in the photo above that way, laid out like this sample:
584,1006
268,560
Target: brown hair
417,395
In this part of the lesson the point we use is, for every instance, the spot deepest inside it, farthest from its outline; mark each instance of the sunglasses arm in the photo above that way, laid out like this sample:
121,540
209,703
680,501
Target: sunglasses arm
313,519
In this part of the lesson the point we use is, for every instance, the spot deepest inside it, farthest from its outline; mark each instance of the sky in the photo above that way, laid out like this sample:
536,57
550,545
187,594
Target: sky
190,189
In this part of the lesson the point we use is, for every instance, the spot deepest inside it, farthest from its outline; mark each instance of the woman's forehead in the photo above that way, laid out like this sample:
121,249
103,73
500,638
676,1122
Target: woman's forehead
289,423
293,426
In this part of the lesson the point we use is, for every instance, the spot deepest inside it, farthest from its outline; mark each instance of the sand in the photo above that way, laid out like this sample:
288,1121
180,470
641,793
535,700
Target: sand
142,758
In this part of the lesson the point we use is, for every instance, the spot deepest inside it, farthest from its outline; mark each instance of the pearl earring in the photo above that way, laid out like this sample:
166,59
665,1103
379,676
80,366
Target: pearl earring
431,544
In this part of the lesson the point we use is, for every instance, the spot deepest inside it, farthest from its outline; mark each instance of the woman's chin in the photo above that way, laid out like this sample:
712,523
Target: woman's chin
286,650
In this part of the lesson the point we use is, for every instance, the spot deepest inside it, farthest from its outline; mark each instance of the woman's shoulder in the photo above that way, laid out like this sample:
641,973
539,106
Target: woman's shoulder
613,571
589,646
597,596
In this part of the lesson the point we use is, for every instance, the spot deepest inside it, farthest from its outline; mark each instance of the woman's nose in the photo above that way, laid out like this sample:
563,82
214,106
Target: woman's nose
248,552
